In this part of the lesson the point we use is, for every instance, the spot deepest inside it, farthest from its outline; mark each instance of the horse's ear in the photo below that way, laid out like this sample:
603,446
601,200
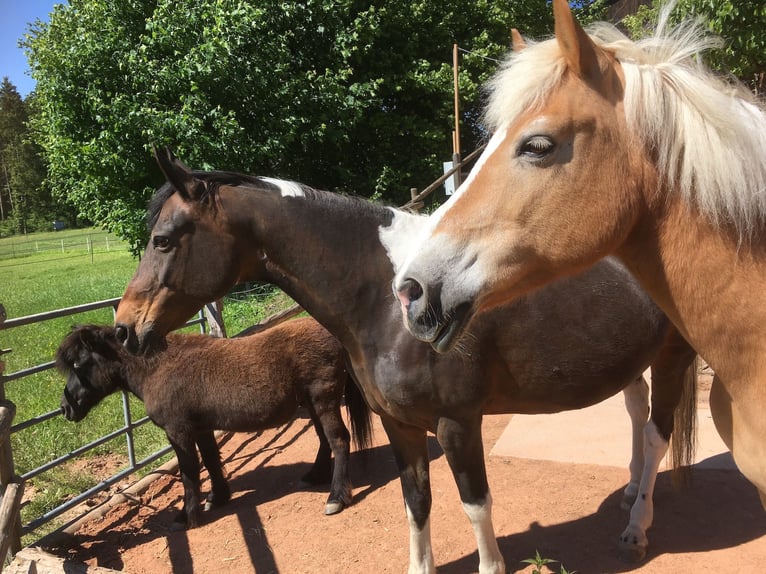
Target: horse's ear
179,176
517,41
579,50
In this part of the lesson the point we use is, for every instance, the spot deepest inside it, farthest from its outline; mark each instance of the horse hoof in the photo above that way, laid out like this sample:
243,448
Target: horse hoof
632,553
333,508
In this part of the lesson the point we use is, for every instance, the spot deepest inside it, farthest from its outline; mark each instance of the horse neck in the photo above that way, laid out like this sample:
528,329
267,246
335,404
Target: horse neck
323,250
135,370
708,282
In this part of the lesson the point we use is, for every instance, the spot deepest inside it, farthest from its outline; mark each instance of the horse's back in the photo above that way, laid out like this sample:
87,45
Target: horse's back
248,382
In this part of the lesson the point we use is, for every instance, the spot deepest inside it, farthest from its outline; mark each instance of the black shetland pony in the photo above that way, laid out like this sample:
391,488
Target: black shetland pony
570,345
200,384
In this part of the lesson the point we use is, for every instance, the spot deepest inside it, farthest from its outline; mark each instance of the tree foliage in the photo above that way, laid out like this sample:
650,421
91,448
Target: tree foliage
338,94
739,24
25,204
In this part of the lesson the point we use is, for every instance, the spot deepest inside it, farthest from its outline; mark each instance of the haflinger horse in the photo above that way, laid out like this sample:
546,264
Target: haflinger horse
602,145
573,344
200,384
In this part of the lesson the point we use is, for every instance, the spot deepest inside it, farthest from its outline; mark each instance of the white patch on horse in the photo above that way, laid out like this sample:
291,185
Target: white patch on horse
634,537
286,188
494,142
399,237
490,559
450,257
421,554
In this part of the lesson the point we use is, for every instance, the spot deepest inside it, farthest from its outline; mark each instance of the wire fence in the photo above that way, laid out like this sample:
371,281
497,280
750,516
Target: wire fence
66,244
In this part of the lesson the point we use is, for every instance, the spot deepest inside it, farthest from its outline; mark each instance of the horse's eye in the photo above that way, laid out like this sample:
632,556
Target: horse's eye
536,147
161,242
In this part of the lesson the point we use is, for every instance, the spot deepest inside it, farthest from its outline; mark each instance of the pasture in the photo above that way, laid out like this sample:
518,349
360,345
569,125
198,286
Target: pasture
47,280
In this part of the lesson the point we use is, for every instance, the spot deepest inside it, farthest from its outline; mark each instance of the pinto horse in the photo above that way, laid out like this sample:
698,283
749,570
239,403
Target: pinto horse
200,384
573,344
603,145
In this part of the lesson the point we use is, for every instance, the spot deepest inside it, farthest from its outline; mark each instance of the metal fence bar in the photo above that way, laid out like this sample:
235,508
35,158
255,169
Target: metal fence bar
83,449
33,525
129,426
30,371
35,421
29,319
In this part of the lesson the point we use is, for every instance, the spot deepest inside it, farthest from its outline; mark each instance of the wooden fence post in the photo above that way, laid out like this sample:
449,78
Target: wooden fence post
12,486
214,316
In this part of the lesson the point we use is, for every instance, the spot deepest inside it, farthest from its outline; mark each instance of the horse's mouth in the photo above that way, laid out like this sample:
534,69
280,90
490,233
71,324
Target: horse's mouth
151,342
452,328
147,343
71,413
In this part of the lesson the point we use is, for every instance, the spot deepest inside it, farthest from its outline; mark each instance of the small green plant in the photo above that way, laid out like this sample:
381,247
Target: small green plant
538,561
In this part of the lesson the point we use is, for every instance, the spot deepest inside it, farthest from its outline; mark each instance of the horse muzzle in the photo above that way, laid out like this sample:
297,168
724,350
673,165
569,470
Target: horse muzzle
425,318
145,342
71,412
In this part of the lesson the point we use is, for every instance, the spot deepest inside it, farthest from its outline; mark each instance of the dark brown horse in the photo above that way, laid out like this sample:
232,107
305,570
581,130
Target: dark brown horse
200,384
571,345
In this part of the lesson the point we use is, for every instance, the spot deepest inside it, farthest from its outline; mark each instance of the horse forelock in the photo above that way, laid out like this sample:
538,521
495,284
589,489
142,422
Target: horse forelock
708,134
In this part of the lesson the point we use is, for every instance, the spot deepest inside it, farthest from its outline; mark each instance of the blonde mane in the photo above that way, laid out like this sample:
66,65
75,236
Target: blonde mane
708,135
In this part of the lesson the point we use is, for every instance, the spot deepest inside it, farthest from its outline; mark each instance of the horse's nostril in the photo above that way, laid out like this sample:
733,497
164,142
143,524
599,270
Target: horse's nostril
121,334
411,289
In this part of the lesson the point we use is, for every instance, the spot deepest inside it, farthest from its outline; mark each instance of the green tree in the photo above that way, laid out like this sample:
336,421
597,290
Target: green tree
740,24
339,94
24,201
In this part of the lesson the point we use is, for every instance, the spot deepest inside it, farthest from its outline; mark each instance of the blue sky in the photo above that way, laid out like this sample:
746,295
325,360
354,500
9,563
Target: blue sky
14,17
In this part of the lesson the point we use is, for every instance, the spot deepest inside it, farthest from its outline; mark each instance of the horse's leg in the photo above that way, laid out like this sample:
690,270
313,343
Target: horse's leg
329,426
463,447
636,396
741,425
321,471
674,376
411,454
188,464
211,458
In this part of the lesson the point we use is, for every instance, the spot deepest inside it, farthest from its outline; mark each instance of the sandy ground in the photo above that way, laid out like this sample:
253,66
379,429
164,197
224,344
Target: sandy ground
568,512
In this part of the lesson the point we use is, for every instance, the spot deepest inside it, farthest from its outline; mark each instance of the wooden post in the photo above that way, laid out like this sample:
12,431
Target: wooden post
10,519
214,315
456,133
413,204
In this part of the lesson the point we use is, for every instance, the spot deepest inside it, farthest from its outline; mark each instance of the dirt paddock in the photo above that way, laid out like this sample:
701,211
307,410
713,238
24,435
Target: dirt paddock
567,512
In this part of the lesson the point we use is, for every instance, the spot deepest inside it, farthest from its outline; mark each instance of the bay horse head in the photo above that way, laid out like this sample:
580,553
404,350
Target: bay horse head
590,132
191,258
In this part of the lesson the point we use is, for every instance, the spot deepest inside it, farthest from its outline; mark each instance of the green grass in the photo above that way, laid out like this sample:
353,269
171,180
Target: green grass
47,281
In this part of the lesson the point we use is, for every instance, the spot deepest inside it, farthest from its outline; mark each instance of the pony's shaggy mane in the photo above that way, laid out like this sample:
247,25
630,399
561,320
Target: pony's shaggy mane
708,135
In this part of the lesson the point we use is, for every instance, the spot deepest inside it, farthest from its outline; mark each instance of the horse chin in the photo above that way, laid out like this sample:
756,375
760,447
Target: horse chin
145,342
149,343
453,328
72,414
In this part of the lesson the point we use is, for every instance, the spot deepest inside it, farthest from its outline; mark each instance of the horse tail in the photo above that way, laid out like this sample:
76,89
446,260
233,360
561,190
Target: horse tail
359,415
683,441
